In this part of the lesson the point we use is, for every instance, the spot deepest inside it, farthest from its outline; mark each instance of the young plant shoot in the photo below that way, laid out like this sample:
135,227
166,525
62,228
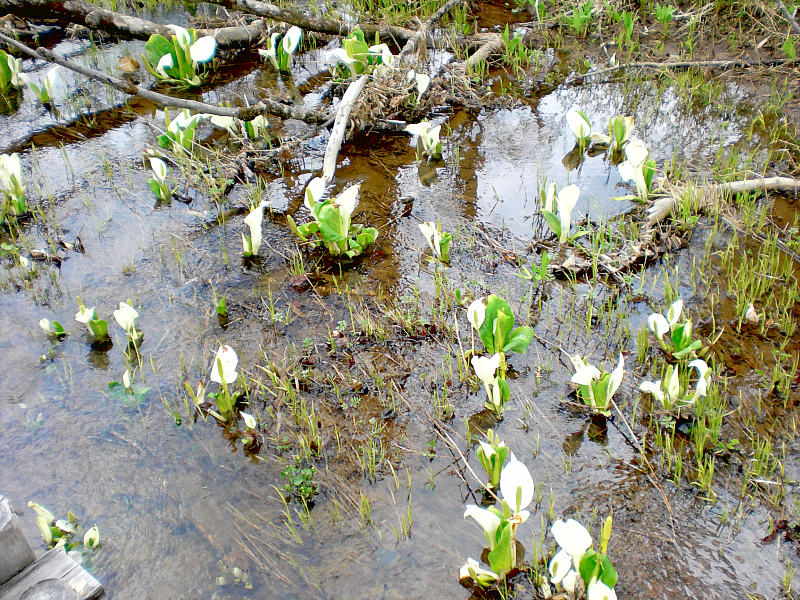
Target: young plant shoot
158,182
438,240
681,344
126,317
428,138
596,388
224,373
492,457
565,201
88,316
11,74
252,243
44,91
12,185
282,48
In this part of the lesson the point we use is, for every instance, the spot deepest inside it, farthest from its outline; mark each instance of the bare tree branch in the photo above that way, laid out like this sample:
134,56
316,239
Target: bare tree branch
246,114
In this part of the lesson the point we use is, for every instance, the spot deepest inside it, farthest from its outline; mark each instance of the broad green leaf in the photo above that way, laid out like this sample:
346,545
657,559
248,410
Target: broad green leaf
155,187
504,389
156,47
164,141
589,566
99,329
494,304
554,222
500,557
330,224
607,573
5,71
502,328
519,339
648,171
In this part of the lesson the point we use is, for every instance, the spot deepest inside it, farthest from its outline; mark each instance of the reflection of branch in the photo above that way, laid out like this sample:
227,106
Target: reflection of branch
246,114
767,62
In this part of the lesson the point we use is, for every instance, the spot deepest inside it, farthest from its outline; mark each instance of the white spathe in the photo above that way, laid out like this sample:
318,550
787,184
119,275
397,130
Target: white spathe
569,581
182,35
249,420
431,233
292,39
253,221
580,127
226,361
11,172
658,325
632,169
566,200
485,368
473,566
126,316
383,50
340,55
572,537
91,538
42,512
560,566
164,63
203,50
485,518
600,591
704,375
314,192
516,484
423,83
476,312
159,168
84,315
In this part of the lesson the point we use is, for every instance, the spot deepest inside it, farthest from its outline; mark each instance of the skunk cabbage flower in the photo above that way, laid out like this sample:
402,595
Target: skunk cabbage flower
486,368
431,233
224,368
44,529
257,127
18,78
428,136
126,381
423,81
383,51
227,123
660,325
340,55
91,538
314,192
253,221
516,485
569,581
292,39
272,52
474,571
560,566
126,316
164,63
249,420
573,538
84,315
600,591
476,313
668,390
42,513
159,168
579,124
203,50
486,519
632,169
11,174
704,375
181,34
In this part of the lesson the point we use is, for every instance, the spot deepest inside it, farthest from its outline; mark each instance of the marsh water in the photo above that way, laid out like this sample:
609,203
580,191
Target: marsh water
178,498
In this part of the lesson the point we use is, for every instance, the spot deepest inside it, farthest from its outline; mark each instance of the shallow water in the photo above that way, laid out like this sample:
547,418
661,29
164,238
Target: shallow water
172,501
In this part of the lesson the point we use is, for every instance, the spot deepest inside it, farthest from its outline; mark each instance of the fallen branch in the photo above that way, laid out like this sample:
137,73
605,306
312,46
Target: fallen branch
339,128
493,44
725,64
267,105
788,16
319,25
119,25
413,43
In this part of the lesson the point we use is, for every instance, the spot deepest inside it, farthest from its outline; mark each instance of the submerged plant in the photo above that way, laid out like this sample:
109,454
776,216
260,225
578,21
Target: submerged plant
59,533
332,227
596,388
564,201
427,136
11,74
176,60
282,47
88,316
438,240
13,185
252,243
44,91
300,480
500,526
158,183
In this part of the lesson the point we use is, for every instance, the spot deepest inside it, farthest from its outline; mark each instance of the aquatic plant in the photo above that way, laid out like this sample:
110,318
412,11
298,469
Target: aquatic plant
500,526
43,92
596,388
282,47
422,80
429,137
637,168
224,373
176,60
300,482
357,56
492,457
52,328
179,135
126,317
13,185
332,227
565,201
60,533
249,420
11,74
682,345
254,129
438,240
620,128
252,243
668,390
577,557
580,126
158,183
495,384
88,316
493,319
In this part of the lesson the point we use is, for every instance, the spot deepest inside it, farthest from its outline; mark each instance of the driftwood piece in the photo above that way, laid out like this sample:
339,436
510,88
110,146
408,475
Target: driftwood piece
317,24
413,42
116,24
492,44
15,551
55,564
339,127
266,105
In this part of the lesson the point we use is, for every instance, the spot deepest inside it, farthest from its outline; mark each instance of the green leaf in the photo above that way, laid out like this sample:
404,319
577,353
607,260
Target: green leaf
502,329
648,171
494,304
155,187
5,71
519,339
500,557
156,47
330,224
607,573
99,329
589,566
164,141
553,222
